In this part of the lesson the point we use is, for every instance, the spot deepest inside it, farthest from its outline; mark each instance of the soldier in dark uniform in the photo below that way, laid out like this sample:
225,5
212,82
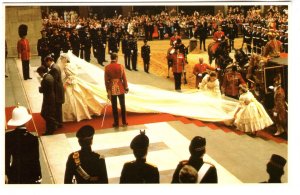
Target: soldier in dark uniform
43,46
231,35
113,44
22,164
87,166
126,51
207,173
139,171
104,39
248,39
86,44
55,44
99,48
258,40
254,38
202,32
75,42
145,53
275,168
133,51
285,42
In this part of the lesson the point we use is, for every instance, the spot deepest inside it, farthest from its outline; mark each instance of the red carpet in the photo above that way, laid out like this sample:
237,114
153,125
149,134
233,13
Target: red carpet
38,124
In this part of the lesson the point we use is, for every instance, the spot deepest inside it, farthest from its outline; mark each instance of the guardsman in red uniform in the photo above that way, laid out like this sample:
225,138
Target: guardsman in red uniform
231,82
178,67
174,38
116,87
23,48
200,70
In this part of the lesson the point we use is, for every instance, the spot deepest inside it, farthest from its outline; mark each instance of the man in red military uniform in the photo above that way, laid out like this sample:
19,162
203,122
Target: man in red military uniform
200,70
231,82
273,47
218,34
178,67
24,51
174,38
116,87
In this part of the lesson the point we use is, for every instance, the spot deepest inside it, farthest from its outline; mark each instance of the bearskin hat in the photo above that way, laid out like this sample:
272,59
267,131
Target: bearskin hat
23,30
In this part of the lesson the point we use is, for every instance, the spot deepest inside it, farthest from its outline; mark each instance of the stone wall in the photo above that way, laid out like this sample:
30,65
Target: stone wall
16,15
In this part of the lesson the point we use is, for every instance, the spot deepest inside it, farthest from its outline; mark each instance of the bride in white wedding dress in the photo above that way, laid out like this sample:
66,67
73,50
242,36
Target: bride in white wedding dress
149,99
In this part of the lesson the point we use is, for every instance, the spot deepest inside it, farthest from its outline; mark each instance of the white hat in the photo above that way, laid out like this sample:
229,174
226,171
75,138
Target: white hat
20,116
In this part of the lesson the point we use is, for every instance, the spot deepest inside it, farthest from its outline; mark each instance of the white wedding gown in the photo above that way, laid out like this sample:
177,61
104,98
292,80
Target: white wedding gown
149,99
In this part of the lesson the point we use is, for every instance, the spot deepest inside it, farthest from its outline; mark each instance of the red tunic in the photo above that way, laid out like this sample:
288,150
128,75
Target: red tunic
115,79
200,68
231,83
178,62
23,49
174,38
218,35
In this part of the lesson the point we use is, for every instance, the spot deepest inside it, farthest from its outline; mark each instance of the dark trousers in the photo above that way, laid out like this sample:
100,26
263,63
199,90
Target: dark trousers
177,79
75,52
127,61
25,68
114,104
146,64
249,49
58,113
231,44
134,61
51,124
202,41
87,54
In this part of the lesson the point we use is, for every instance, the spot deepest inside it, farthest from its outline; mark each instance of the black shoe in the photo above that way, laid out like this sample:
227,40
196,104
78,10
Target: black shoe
105,61
115,125
6,76
128,69
101,64
29,78
135,69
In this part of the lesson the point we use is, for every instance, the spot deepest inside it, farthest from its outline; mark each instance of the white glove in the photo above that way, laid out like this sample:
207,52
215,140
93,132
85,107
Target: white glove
271,87
104,45
131,51
110,51
275,114
199,75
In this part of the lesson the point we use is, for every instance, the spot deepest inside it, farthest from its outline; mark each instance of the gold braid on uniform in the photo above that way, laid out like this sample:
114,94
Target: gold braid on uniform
81,171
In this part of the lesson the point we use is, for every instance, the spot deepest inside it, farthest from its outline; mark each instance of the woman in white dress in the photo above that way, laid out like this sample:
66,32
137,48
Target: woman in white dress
251,116
82,99
211,85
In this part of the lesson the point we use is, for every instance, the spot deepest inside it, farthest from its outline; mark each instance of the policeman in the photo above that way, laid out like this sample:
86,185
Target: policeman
275,168
145,53
207,172
22,164
139,171
87,166
43,46
133,51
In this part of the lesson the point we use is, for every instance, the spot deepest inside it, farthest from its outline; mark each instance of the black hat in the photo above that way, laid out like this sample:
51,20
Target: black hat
197,144
277,161
85,132
23,30
140,141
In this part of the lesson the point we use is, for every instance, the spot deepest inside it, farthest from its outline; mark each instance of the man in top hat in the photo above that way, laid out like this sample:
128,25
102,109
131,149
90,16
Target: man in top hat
145,53
43,46
58,88
87,166
22,164
48,106
23,48
207,172
275,168
139,171
116,87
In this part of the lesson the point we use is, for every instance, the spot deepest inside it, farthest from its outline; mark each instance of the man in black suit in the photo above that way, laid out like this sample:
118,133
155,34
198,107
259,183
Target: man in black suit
58,88
139,171
207,172
43,46
87,166
202,32
22,164
48,106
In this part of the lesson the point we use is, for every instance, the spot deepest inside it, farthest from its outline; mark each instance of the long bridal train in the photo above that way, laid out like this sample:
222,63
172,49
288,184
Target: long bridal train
149,99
